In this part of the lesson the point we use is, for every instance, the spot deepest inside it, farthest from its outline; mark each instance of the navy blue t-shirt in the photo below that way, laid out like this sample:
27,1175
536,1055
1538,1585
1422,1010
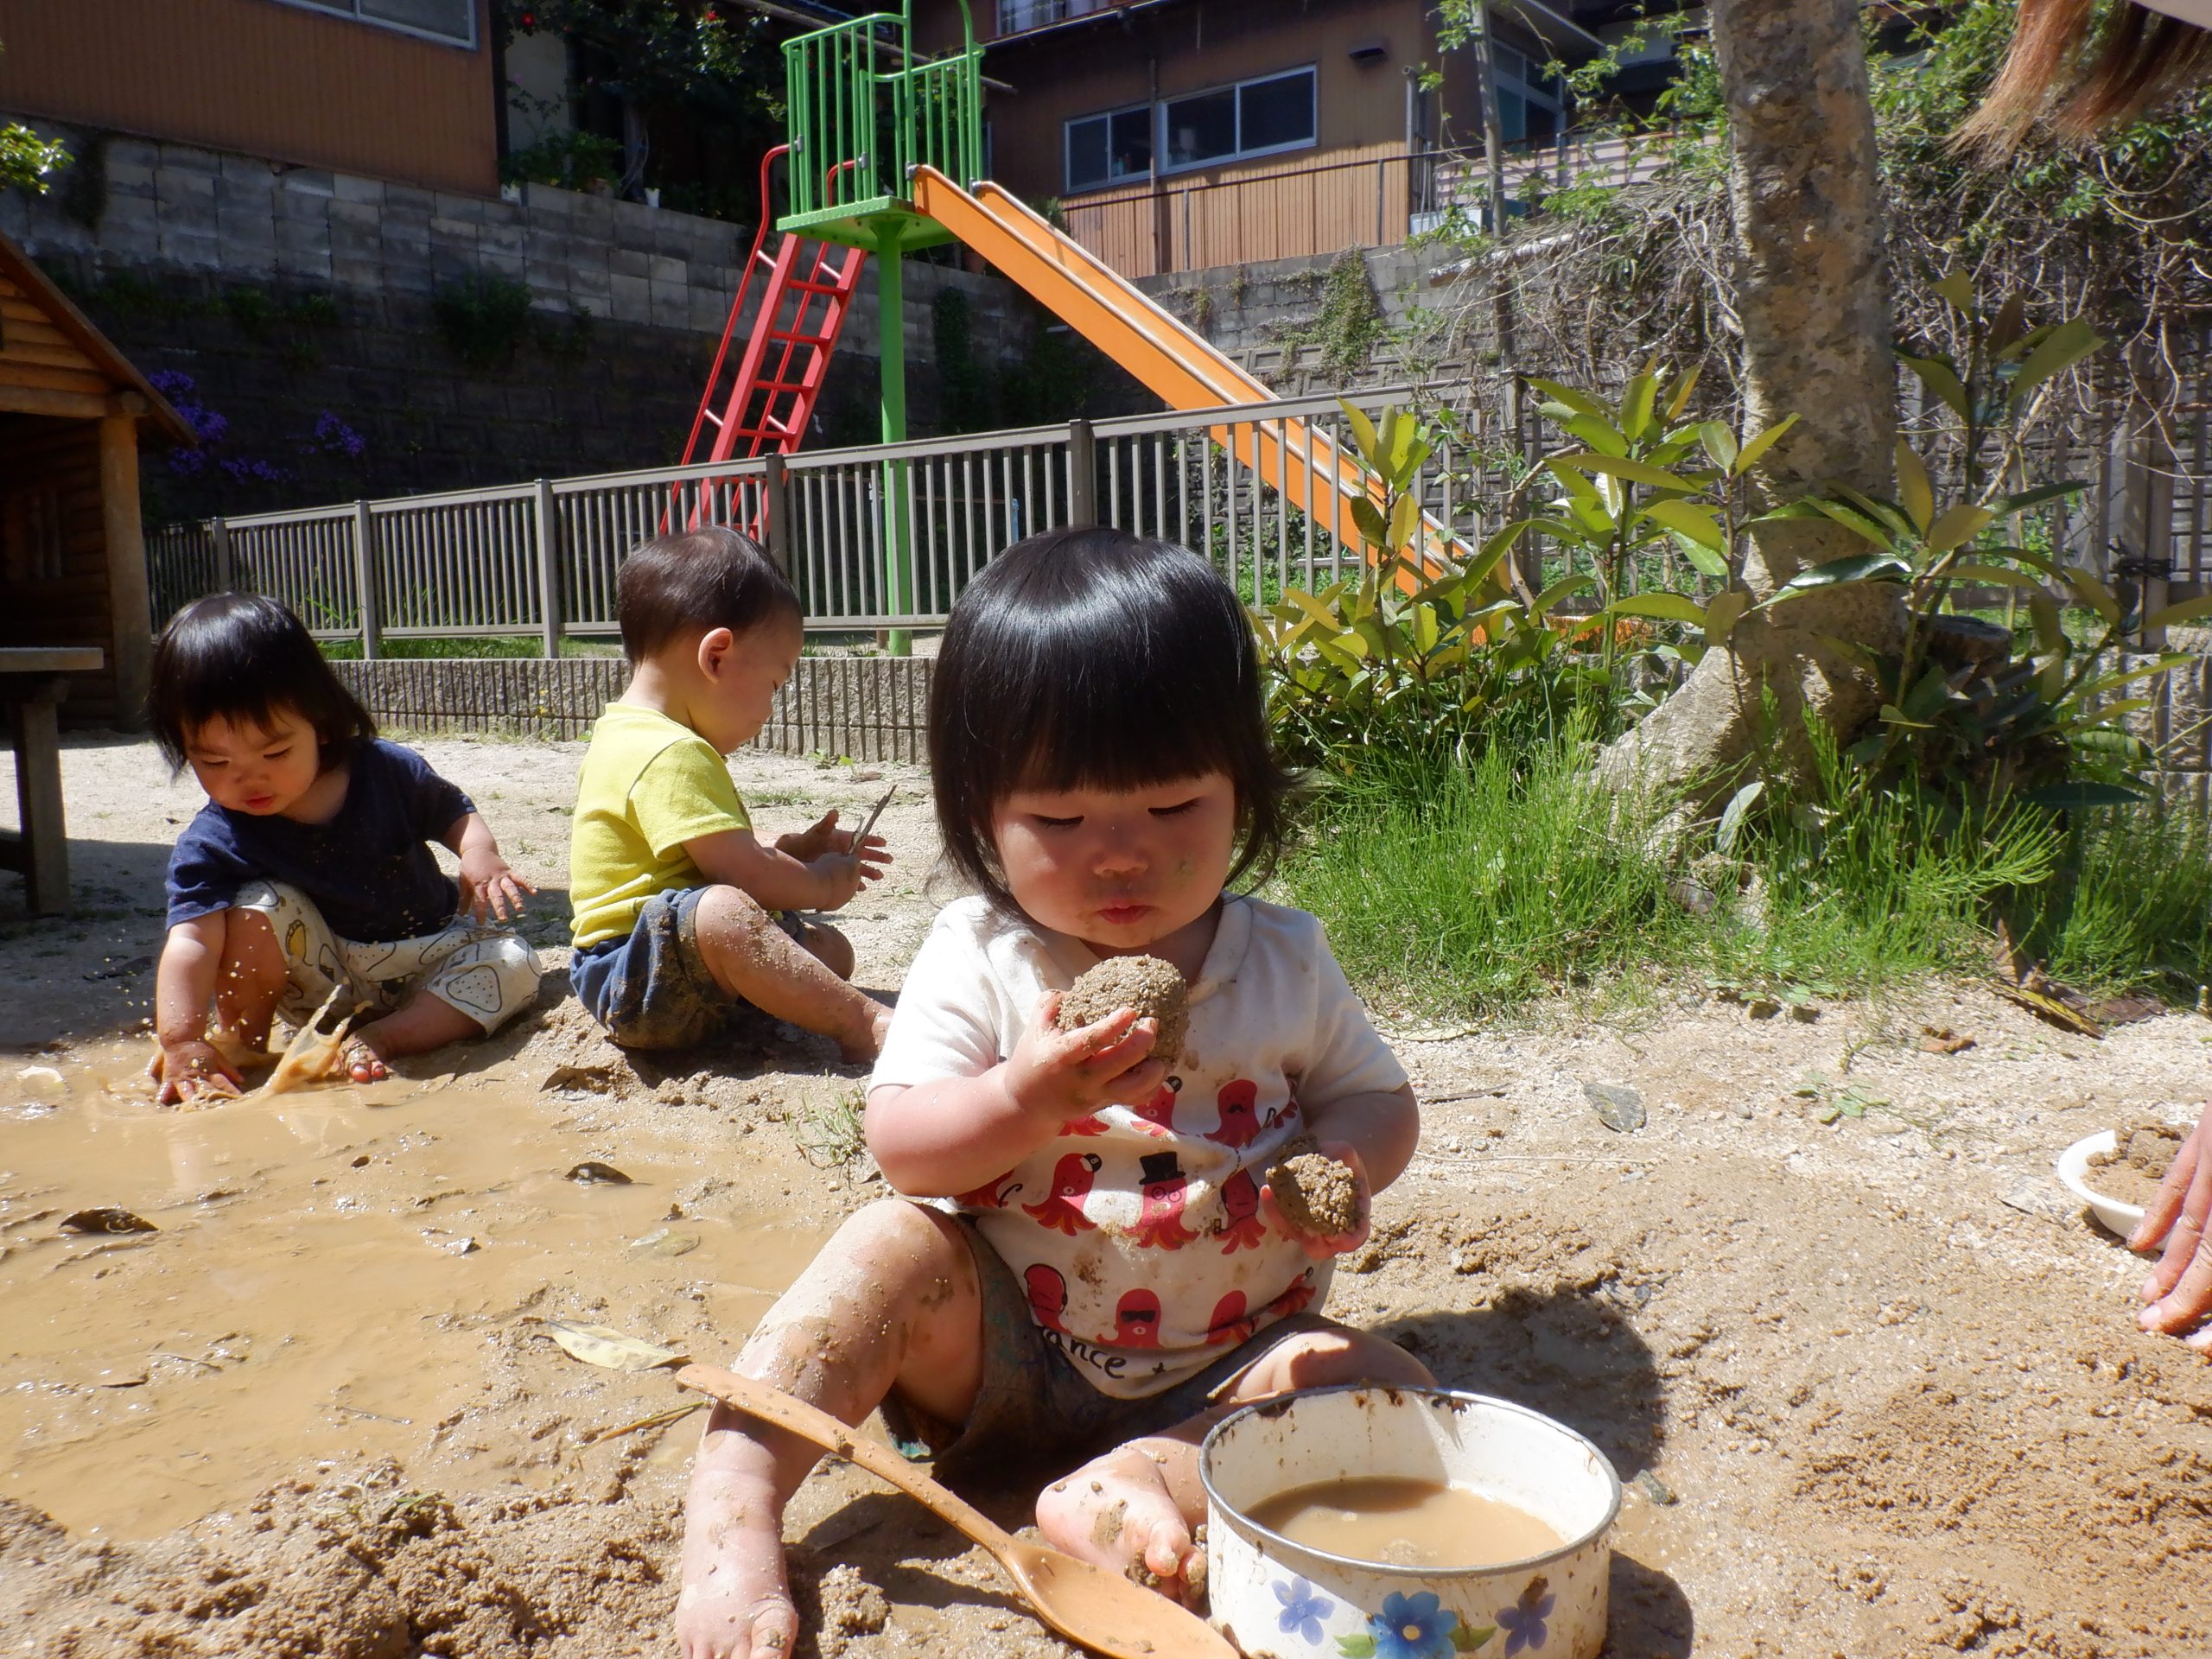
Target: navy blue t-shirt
368,870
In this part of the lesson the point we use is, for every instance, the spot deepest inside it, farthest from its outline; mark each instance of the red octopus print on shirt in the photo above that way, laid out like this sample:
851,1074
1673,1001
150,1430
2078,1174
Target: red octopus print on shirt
993,1194
1239,1103
1157,1115
1229,1323
1246,1228
1048,1295
1159,1224
1062,1209
1090,1124
1296,1300
1136,1321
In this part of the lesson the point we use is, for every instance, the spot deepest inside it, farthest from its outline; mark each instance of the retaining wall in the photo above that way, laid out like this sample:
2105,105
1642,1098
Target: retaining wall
867,707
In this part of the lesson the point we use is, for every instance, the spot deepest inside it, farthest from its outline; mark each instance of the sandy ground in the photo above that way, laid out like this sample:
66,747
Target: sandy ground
1873,1384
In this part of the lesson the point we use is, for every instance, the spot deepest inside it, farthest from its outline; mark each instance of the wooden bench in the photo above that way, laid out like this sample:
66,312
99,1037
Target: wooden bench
32,685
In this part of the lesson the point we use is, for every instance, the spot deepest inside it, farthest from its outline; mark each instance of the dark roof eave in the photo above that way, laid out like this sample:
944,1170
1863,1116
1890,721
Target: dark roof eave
1024,36
16,266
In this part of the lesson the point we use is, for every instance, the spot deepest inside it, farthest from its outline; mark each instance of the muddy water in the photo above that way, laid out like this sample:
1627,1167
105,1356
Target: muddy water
330,1273
1401,1522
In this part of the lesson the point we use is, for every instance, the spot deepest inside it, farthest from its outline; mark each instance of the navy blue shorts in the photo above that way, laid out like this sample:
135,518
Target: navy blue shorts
653,989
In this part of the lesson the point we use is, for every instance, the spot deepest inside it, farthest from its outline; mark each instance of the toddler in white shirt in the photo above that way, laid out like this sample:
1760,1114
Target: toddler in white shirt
1086,1264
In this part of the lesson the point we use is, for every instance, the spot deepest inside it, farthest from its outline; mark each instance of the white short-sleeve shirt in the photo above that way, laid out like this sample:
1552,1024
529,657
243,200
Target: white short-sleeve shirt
1136,1233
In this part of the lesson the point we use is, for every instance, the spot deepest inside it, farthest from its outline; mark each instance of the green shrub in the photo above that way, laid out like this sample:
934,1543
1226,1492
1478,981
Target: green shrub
482,318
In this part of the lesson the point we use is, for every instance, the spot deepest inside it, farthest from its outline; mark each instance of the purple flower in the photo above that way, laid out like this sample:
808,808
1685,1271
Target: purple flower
1413,1627
332,437
1524,1624
1302,1610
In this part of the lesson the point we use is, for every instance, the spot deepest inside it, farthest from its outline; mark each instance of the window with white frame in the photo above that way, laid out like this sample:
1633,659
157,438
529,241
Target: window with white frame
1103,147
451,21
1253,117
1531,107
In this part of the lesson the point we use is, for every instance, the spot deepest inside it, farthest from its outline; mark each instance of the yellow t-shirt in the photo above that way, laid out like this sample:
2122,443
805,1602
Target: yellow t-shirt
649,784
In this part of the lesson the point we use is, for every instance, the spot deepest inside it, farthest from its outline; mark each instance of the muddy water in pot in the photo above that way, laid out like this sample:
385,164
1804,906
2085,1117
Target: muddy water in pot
346,1273
1405,1522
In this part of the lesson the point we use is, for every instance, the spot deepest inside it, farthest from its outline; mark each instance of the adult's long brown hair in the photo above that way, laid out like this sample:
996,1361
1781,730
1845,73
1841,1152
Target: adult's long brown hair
2082,77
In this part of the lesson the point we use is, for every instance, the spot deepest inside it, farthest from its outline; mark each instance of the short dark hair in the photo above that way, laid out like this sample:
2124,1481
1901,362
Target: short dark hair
711,577
242,657
1094,657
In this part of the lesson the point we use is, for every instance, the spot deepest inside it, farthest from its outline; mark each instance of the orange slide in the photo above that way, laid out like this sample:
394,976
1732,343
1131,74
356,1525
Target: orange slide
1119,318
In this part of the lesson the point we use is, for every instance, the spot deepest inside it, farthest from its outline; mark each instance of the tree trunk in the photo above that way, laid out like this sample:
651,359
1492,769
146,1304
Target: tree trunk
1811,288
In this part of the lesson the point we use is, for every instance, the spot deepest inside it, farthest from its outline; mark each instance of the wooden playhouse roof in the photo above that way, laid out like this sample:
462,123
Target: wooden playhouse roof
54,361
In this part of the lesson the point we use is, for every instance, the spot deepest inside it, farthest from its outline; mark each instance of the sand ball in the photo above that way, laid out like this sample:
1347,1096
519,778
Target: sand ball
1145,983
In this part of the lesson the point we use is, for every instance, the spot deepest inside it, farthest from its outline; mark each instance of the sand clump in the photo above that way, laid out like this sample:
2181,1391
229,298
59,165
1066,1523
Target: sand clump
2142,1152
1316,1193
1150,985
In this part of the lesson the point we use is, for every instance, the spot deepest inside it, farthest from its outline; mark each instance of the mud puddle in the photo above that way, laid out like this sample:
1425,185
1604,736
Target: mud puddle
329,1273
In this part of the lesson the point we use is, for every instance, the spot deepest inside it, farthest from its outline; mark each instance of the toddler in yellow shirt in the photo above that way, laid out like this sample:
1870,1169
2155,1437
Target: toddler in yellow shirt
682,914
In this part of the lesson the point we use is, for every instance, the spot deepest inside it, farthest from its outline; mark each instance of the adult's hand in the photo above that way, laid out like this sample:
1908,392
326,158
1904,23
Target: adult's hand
2179,1290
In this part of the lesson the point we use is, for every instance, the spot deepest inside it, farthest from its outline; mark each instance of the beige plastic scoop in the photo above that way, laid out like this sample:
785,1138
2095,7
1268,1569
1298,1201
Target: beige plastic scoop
1102,1611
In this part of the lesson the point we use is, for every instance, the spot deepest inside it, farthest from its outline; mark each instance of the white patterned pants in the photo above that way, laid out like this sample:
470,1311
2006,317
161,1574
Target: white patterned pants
488,973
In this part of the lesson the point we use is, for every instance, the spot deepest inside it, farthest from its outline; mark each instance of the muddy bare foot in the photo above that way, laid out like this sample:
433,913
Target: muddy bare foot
1118,1512
736,1599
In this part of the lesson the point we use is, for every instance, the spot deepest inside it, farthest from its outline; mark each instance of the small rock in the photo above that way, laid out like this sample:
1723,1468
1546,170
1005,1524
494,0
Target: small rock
666,1240
107,1218
1762,1008
1741,1108
1695,897
1655,1489
42,1082
591,1170
1619,1108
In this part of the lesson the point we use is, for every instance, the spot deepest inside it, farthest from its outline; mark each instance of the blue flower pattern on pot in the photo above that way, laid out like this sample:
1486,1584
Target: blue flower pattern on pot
1302,1610
1413,1627
1524,1622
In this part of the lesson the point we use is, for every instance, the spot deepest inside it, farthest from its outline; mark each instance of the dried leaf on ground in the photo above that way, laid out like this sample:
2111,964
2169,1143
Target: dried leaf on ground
607,1348
106,1218
1942,1039
1619,1108
591,1170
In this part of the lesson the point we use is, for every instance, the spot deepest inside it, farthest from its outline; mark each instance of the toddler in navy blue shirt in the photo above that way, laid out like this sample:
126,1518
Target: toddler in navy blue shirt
310,869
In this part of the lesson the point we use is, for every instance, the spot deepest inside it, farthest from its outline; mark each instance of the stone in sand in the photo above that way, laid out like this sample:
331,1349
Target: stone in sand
1145,983
1316,1193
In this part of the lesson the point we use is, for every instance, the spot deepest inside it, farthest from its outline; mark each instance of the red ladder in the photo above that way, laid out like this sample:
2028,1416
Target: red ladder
766,405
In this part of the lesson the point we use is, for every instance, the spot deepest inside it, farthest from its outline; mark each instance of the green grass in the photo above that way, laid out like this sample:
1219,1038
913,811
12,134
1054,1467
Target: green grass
1466,891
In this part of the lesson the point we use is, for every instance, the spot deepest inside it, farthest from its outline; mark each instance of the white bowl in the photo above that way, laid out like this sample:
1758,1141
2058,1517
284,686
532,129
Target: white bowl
2074,1170
1276,1599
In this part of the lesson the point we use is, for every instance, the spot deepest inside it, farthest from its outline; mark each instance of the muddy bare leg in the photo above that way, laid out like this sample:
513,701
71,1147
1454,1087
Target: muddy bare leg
1137,1506
751,957
891,1301
251,979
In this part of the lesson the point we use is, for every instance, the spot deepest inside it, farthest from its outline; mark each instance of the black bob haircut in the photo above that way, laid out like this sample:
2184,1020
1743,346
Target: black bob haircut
244,658
701,579
1094,658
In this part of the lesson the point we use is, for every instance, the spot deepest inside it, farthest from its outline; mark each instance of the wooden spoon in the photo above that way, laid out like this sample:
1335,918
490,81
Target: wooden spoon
1103,1610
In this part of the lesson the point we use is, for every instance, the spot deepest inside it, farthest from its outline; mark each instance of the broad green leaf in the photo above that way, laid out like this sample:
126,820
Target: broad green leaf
2091,592
1368,517
2165,662
2111,713
1891,516
1558,591
1405,518
2188,611
1940,378
1704,560
1601,436
1695,523
1360,1645
2006,505
1957,288
1580,401
1851,518
2062,348
1313,608
1385,437
1665,607
1635,405
1468,1638
1679,398
1425,632
1957,525
1914,492
1719,443
1494,548
1637,472
2051,628
1363,433
1860,567
1732,816
2008,328
2081,795
1749,456
1721,616
1995,574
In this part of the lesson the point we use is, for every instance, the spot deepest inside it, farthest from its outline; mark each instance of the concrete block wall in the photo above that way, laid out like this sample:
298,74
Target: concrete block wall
615,390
